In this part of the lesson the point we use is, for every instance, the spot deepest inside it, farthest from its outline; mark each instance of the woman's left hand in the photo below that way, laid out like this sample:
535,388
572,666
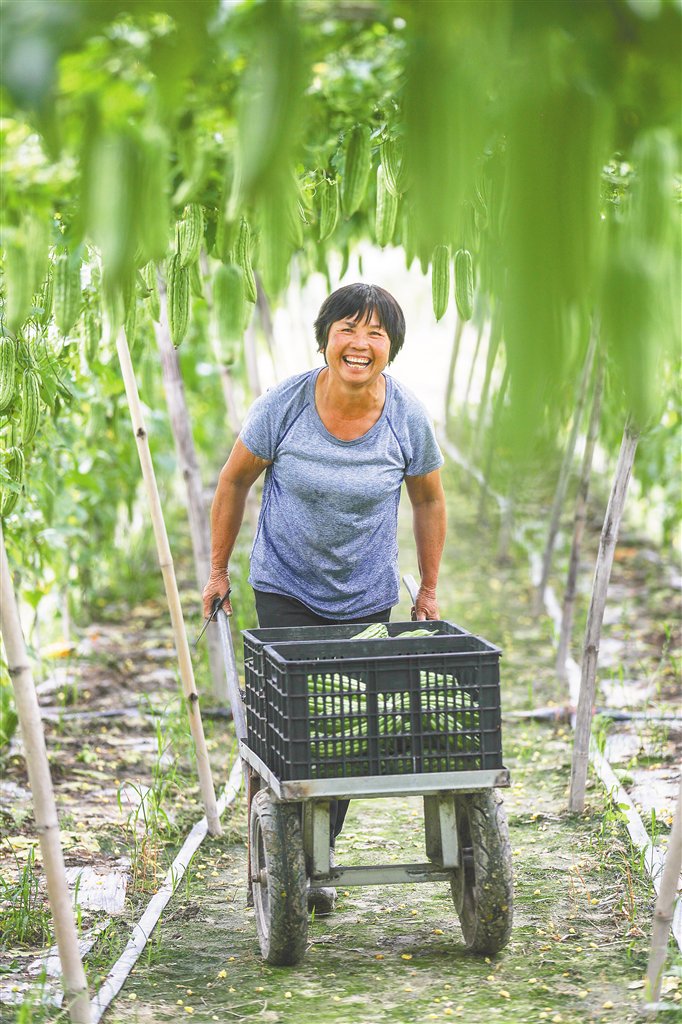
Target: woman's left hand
426,604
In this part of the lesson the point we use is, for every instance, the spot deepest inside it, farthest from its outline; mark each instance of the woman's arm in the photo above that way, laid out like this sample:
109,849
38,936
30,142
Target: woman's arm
429,522
237,476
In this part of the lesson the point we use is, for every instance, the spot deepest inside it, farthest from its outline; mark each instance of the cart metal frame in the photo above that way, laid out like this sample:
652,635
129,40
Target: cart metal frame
440,826
453,826
438,791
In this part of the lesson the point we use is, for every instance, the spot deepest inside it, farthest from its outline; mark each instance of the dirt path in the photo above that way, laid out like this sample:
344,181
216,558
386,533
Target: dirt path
582,906
395,953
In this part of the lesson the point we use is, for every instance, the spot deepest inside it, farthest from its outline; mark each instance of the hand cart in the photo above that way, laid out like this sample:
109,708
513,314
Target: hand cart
329,717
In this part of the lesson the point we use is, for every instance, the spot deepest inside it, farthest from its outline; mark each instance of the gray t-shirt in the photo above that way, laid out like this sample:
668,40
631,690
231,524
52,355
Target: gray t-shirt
327,531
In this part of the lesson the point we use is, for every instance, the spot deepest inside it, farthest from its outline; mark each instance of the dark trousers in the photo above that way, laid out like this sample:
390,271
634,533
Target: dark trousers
274,611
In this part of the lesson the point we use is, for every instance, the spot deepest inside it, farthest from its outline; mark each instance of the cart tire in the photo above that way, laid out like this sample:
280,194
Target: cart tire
482,890
279,883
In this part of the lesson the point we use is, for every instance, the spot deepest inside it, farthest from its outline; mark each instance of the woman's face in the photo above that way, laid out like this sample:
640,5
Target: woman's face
357,351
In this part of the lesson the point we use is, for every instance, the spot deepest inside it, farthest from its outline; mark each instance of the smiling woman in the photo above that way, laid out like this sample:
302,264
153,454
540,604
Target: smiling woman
336,444
350,394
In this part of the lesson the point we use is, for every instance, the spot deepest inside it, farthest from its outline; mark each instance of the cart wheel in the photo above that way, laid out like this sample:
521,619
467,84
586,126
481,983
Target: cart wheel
279,881
482,888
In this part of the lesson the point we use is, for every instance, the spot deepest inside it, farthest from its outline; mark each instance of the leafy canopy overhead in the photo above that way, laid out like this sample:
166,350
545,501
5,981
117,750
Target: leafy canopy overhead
494,122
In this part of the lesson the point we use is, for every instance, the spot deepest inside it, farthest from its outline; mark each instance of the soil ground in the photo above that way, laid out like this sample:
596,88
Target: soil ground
583,906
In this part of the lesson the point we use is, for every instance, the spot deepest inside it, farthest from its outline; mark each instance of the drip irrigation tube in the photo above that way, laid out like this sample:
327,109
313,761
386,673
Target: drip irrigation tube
143,929
652,855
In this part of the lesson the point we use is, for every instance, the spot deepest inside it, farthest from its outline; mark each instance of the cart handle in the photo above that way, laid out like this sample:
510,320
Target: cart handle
233,692
411,584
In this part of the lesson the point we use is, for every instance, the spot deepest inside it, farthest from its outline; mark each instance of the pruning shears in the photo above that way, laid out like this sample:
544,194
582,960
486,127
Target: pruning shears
217,605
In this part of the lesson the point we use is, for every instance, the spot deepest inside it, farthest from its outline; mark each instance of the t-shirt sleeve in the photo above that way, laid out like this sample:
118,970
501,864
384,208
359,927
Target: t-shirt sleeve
261,427
424,454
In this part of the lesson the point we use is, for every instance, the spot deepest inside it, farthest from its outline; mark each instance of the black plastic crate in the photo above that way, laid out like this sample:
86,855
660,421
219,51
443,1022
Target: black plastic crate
255,640
343,708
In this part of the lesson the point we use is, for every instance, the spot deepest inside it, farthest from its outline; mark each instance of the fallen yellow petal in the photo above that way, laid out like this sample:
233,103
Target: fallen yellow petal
405,956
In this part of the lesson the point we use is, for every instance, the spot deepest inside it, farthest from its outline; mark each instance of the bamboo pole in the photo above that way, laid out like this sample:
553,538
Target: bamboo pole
474,360
450,384
665,906
498,405
226,382
171,586
265,317
580,518
595,617
493,347
197,512
651,854
564,476
44,806
251,359
233,414
507,525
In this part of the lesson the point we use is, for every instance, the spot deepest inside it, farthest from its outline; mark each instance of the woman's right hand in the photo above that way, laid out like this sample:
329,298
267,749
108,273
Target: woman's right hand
218,585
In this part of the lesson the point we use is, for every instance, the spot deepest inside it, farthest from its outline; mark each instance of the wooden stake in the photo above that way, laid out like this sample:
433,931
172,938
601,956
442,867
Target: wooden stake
665,906
229,396
474,360
498,406
265,317
251,359
227,383
564,476
44,807
493,348
450,385
579,520
595,617
171,586
197,512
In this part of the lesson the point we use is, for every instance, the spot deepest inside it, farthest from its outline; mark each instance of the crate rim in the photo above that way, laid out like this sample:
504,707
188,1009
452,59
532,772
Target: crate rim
417,624
270,651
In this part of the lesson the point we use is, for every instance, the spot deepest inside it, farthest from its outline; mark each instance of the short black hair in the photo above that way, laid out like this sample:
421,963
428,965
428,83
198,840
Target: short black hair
357,302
